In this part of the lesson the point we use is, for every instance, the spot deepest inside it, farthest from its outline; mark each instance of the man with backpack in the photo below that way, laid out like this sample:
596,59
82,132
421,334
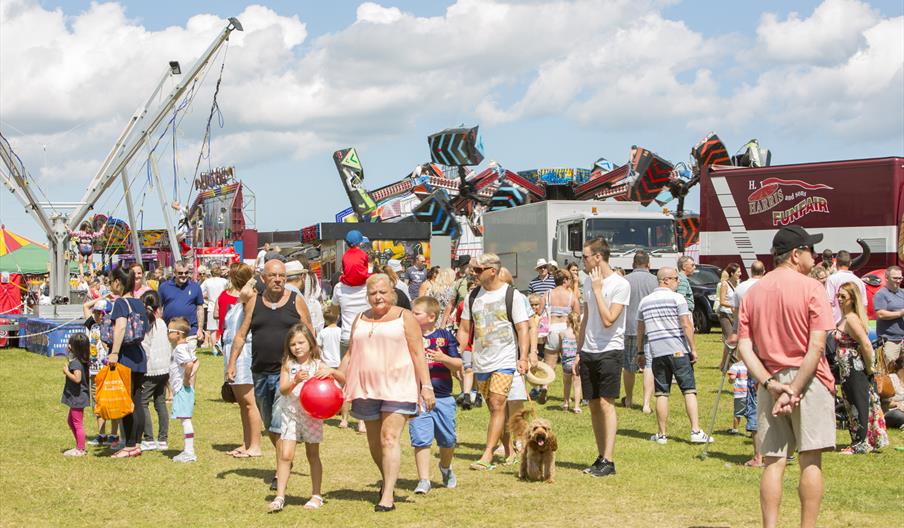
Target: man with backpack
498,315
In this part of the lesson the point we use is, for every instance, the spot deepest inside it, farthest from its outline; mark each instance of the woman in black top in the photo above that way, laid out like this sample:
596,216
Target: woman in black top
131,355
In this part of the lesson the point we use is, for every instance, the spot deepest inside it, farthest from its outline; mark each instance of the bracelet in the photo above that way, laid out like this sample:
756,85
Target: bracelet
428,387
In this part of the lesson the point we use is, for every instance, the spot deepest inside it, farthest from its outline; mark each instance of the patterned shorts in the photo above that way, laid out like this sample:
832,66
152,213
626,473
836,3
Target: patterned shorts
496,382
300,426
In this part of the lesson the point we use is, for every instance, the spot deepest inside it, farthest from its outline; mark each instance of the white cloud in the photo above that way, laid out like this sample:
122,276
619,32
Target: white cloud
830,35
858,99
619,65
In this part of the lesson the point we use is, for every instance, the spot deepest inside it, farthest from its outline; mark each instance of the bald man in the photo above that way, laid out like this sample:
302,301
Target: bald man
664,322
273,313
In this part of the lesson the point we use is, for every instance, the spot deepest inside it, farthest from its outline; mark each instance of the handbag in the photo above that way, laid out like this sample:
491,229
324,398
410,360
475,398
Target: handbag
113,396
884,387
226,393
135,326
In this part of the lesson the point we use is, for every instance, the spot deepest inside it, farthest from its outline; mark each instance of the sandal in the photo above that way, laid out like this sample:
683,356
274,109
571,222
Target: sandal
315,503
235,451
511,460
754,464
482,466
277,505
577,410
245,454
127,453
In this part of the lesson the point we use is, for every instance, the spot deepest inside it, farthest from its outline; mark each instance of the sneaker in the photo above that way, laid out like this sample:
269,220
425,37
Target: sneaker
466,402
118,445
733,431
111,440
699,437
98,440
148,445
596,464
449,479
162,446
659,439
478,402
185,457
606,468
74,452
423,486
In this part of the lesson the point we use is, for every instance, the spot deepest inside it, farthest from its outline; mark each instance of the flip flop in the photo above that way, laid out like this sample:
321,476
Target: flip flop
245,454
482,466
752,463
235,452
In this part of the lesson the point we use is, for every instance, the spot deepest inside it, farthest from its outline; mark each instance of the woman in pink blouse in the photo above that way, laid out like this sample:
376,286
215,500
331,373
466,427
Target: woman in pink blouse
386,377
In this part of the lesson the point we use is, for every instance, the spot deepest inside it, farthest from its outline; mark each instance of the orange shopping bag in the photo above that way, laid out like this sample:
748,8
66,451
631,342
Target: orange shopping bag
113,395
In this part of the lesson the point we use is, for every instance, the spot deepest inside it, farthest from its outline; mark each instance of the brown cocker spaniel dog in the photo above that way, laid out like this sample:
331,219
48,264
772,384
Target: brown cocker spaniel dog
538,457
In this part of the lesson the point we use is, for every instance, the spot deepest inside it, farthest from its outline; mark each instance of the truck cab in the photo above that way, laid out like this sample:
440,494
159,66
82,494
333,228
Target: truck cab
626,233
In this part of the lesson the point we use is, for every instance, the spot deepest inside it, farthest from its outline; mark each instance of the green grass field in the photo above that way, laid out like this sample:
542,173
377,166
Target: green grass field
656,485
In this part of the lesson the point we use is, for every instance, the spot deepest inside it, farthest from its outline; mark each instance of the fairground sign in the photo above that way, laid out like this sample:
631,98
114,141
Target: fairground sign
215,178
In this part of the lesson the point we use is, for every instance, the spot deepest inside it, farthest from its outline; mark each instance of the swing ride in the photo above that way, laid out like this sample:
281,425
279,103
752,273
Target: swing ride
134,141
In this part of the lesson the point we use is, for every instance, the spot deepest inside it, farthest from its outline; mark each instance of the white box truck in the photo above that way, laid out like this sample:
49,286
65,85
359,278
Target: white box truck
557,229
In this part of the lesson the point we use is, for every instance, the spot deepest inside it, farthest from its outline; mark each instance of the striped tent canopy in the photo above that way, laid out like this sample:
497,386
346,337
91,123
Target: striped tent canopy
10,241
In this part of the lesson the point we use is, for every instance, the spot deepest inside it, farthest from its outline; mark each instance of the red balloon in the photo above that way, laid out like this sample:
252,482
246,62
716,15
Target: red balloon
321,397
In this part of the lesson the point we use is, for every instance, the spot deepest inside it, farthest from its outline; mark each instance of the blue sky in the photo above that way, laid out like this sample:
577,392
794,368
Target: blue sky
550,83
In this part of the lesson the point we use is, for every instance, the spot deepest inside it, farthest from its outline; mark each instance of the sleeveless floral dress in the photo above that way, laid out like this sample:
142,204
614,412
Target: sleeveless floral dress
850,360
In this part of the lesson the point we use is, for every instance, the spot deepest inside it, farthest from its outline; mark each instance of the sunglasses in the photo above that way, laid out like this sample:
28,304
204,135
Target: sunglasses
478,270
182,273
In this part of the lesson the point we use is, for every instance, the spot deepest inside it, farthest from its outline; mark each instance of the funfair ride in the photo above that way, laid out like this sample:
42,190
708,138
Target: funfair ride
134,137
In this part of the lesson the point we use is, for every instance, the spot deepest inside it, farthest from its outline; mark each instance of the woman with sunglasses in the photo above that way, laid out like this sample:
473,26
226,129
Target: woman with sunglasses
856,360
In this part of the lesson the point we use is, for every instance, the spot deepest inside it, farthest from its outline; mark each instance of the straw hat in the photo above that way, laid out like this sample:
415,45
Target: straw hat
542,374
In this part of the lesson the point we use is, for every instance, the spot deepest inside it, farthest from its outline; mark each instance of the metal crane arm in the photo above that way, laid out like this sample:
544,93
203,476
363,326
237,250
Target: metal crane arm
109,171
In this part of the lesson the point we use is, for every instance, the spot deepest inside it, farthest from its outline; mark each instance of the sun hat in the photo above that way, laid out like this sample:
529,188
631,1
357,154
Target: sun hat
541,374
553,263
294,268
541,263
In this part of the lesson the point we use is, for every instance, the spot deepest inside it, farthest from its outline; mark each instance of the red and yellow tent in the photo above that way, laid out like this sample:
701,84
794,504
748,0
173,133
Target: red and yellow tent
10,241
22,255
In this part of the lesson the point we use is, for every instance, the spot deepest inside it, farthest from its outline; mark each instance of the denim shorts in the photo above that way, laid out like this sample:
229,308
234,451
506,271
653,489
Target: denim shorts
675,366
751,405
367,409
438,424
266,396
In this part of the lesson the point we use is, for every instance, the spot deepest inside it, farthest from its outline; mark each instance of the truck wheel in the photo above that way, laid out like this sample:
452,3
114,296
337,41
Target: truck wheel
701,322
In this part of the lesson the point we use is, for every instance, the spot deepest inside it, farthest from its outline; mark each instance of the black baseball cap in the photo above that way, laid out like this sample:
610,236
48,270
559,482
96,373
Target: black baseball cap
793,237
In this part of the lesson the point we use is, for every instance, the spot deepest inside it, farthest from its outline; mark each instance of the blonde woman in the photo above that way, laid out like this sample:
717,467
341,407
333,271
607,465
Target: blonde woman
856,360
724,306
442,288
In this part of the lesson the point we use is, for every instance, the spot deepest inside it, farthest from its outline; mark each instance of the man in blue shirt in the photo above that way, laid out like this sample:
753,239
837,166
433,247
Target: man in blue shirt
181,297
889,305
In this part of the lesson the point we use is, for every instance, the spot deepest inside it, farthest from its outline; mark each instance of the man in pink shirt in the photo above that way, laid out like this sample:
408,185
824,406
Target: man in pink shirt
787,315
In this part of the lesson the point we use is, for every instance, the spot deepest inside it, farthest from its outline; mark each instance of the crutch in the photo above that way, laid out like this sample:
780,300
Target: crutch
712,421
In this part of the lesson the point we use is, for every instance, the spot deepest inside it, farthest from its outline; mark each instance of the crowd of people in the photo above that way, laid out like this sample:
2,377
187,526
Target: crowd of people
396,340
